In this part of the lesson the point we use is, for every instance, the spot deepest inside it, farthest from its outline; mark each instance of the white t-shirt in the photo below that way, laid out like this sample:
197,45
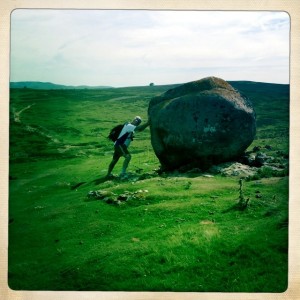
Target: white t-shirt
127,128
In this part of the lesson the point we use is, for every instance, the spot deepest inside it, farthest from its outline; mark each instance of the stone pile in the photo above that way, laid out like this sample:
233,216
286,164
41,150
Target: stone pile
113,198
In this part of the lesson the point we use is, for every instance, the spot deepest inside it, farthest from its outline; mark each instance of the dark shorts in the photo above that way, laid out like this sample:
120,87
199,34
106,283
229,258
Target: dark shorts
120,150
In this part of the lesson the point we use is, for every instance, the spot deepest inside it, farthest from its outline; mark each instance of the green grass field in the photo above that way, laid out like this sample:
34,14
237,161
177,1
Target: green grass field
178,232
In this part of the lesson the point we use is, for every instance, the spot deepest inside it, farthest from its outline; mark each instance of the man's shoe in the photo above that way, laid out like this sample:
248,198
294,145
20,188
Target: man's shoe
123,176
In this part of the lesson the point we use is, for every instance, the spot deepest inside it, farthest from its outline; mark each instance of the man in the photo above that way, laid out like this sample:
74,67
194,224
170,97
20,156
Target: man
122,143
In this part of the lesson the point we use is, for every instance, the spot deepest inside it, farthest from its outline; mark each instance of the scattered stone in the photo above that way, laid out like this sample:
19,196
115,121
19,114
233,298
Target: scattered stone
208,176
273,167
261,159
179,220
233,169
112,198
248,159
39,207
123,197
206,222
100,195
256,148
135,239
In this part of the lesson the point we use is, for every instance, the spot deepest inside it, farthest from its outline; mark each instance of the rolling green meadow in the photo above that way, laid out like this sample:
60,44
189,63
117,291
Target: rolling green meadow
178,232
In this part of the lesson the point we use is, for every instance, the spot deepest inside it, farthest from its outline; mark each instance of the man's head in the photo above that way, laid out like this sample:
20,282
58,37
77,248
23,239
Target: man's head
136,121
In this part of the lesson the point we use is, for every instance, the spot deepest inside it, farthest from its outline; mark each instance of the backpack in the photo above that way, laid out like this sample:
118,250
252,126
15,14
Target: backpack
115,132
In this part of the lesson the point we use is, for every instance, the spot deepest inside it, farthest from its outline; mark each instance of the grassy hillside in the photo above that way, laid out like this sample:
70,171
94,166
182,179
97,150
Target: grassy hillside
173,232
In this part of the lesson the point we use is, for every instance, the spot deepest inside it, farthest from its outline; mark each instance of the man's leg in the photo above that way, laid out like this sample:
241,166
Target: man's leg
115,159
127,156
111,166
125,163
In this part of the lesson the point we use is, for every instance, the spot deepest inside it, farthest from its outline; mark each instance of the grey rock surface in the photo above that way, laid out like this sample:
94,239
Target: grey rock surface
200,123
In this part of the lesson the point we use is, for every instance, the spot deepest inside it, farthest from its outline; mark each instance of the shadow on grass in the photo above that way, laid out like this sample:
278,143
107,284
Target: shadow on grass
76,185
237,207
95,182
99,180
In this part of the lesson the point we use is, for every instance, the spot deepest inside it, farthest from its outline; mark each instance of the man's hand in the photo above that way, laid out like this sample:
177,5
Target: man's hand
142,127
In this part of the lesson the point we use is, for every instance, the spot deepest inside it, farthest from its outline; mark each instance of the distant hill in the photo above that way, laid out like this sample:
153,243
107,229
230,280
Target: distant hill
50,86
260,87
246,85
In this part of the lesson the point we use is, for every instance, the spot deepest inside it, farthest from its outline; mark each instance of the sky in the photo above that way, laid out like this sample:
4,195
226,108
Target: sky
137,47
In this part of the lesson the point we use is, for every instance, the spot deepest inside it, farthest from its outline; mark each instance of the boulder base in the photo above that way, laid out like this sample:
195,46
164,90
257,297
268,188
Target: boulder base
200,123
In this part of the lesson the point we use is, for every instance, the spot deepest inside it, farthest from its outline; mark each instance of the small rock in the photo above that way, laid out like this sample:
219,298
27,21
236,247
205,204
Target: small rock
123,197
208,176
256,149
206,222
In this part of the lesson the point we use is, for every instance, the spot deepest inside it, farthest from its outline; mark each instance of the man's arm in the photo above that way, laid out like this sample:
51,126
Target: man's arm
142,127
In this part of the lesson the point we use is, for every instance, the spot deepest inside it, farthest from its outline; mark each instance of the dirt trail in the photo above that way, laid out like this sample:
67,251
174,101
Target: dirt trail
18,113
29,128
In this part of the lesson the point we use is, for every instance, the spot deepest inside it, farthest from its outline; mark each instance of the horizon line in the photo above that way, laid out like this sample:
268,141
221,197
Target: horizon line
126,86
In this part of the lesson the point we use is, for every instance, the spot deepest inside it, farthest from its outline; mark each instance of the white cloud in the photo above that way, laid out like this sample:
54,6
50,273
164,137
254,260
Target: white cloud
122,48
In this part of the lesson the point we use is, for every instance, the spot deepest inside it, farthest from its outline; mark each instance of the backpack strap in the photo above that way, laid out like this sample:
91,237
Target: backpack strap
121,140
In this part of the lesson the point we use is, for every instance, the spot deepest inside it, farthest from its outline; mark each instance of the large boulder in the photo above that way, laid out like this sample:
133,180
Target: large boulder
200,123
